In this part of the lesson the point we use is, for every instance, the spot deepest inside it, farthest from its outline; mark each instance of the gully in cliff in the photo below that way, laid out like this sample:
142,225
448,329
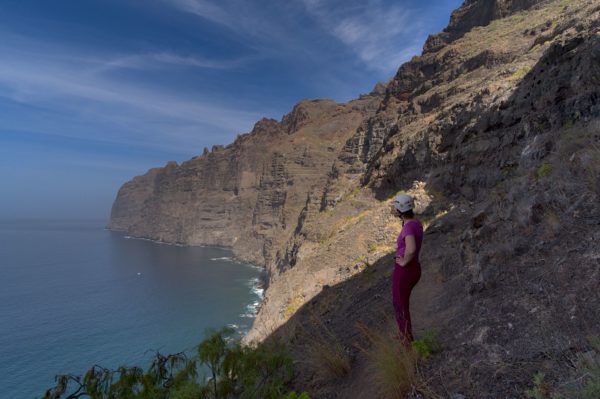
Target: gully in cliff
407,269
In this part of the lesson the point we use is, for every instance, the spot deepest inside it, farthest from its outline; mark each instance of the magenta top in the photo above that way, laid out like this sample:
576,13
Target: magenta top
414,228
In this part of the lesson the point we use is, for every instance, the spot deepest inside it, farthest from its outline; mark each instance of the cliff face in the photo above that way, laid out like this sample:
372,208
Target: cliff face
247,195
495,130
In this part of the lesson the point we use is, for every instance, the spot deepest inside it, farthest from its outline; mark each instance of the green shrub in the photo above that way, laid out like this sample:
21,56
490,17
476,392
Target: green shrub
234,371
589,367
361,259
544,170
540,390
428,346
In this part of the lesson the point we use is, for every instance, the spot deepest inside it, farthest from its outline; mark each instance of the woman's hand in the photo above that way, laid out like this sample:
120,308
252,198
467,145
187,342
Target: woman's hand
399,260
409,252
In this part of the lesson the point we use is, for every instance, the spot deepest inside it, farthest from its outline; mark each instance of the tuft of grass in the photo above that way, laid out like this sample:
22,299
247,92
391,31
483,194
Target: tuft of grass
354,192
429,345
393,366
544,170
362,260
541,389
372,248
517,18
520,73
493,26
326,354
330,358
293,305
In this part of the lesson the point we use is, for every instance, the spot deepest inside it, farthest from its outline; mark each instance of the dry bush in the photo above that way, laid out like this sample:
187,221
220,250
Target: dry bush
330,358
393,367
325,353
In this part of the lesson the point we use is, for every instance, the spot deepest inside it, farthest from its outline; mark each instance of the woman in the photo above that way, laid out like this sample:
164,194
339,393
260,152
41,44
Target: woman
407,269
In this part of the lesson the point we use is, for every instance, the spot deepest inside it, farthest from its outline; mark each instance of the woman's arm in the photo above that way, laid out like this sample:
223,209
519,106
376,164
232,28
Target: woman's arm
409,252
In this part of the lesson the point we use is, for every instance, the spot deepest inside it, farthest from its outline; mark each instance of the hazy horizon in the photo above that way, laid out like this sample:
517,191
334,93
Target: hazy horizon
94,93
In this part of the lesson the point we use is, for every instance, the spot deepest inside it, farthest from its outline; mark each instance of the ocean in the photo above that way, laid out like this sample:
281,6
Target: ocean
73,294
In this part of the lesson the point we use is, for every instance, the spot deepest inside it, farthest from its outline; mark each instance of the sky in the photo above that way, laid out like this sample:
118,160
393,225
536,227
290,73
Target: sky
94,92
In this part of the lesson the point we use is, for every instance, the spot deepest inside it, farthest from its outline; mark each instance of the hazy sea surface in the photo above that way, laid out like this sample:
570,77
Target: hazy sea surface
73,294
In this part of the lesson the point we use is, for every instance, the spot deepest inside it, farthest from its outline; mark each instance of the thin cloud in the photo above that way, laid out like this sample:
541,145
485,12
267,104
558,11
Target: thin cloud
73,86
381,35
162,60
273,29
237,16
31,83
283,32
205,9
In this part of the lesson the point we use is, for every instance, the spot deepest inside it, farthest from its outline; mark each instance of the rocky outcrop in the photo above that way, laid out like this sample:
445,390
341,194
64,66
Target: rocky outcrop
476,13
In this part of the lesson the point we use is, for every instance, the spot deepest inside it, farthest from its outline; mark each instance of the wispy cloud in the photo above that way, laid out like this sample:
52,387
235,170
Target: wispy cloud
77,86
271,29
382,35
255,24
160,60
205,9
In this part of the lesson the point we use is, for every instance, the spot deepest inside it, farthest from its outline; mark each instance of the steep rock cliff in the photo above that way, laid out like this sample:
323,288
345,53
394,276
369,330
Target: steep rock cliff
247,195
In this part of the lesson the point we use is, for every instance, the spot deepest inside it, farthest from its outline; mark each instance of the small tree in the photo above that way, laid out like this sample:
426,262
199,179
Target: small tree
236,372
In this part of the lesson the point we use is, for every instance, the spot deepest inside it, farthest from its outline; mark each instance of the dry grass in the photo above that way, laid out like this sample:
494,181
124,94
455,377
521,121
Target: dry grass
392,366
330,358
520,73
293,305
325,353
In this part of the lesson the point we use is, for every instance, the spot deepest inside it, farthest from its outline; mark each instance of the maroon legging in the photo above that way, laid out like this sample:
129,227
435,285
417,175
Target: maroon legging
404,280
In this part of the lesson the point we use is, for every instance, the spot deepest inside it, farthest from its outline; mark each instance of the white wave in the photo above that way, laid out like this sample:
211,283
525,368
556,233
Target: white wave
154,241
251,310
253,307
225,258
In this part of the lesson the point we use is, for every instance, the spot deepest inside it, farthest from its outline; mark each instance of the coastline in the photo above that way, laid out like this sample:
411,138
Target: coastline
256,285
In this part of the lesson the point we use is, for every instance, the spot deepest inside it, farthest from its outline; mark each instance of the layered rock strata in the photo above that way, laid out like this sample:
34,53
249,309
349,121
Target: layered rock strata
248,195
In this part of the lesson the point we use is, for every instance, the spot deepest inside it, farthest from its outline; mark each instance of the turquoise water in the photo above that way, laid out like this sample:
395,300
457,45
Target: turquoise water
73,294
